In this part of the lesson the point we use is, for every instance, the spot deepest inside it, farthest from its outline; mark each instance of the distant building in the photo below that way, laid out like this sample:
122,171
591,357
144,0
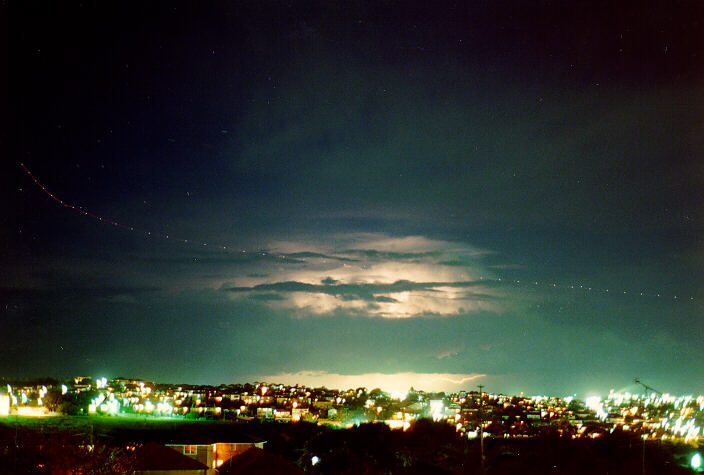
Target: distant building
83,383
265,413
323,404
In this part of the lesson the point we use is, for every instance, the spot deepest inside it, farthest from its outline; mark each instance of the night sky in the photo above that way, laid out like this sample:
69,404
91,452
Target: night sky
379,194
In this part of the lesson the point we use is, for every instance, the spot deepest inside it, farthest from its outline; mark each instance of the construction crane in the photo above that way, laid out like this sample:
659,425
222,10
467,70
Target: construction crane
647,388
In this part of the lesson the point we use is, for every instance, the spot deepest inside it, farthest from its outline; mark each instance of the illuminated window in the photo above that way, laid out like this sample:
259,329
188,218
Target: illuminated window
190,449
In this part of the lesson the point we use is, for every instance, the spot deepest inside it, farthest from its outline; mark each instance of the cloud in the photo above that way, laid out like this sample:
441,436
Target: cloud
394,382
374,275
448,353
400,299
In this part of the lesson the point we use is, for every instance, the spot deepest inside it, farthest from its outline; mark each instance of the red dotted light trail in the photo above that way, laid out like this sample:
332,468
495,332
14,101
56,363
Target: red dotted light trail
112,222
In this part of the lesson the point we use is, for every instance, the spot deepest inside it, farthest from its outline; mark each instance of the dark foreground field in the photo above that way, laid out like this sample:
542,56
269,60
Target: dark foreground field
45,445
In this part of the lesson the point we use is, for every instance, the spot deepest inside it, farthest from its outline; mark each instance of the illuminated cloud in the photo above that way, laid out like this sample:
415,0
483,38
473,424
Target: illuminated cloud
373,275
394,382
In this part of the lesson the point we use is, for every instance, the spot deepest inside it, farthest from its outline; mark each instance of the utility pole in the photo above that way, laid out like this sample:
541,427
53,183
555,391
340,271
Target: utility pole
16,445
644,435
481,425
642,470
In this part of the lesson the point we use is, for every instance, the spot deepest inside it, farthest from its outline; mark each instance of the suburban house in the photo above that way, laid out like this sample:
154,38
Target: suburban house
255,461
154,458
214,454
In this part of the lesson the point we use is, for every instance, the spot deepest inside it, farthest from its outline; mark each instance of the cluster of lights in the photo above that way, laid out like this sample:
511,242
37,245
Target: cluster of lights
21,399
651,415
676,416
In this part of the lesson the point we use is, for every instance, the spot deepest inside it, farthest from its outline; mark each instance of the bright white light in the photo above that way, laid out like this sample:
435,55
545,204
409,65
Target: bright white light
398,395
314,460
393,382
593,403
436,409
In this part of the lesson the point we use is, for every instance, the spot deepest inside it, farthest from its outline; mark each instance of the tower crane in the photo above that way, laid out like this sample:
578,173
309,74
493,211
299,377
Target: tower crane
647,388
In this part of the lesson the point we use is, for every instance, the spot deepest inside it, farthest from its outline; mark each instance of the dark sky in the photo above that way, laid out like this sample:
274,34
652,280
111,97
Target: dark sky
437,194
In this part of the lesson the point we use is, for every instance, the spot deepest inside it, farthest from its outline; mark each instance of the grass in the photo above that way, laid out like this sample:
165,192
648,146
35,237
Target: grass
108,426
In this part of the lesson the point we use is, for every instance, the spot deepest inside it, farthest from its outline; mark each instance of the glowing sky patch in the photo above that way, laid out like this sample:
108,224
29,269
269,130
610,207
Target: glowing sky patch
374,275
395,382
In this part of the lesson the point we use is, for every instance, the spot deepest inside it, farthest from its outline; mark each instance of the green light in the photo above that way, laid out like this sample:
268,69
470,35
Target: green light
696,462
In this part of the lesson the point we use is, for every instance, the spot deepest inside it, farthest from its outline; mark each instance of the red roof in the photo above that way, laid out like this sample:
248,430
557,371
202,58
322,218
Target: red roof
257,461
154,456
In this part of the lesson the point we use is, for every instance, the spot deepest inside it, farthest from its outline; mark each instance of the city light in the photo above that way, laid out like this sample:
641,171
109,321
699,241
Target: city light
436,409
651,416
